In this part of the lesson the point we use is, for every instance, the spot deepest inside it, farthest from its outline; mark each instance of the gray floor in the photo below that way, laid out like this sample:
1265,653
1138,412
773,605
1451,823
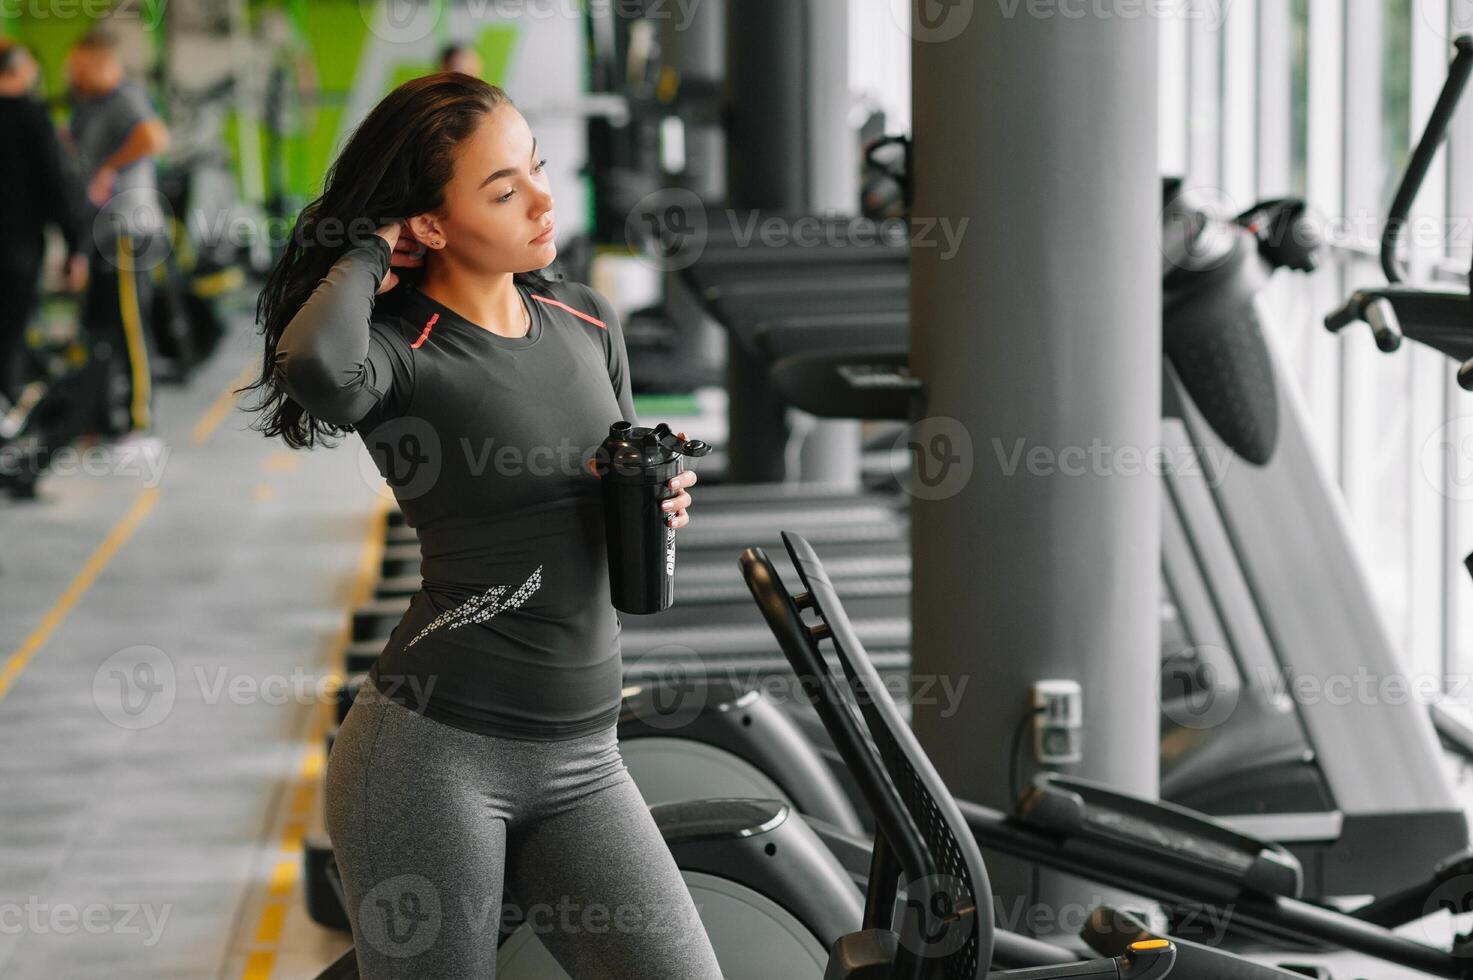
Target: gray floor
153,835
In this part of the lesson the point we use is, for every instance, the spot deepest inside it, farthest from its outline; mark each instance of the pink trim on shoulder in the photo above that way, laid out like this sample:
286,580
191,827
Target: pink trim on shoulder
578,313
425,336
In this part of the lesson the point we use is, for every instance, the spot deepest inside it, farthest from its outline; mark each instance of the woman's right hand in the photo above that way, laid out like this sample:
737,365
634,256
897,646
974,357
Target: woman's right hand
406,253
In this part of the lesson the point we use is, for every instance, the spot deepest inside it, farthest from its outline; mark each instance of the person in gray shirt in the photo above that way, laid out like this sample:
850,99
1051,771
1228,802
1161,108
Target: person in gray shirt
480,762
116,134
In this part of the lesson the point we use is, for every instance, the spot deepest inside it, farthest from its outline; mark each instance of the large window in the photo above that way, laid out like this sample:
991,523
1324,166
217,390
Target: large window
1324,99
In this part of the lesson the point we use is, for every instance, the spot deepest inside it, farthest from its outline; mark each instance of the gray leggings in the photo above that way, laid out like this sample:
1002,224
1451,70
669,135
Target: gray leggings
431,823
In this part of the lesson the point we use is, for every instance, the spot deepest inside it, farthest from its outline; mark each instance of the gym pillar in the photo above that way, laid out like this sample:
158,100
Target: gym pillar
1040,338
790,151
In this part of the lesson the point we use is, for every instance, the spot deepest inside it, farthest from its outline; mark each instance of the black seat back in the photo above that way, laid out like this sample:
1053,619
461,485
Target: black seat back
947,928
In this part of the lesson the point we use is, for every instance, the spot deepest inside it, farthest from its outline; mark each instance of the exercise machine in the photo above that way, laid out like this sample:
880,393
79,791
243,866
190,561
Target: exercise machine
1185,861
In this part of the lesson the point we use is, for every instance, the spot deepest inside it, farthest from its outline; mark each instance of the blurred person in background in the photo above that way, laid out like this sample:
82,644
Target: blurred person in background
38,188
463,58
117,134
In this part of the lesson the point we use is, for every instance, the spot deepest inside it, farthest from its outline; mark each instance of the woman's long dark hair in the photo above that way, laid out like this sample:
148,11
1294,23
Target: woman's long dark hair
395,165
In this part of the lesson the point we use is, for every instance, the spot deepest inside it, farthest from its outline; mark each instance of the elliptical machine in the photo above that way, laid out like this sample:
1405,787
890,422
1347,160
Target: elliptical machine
1440,318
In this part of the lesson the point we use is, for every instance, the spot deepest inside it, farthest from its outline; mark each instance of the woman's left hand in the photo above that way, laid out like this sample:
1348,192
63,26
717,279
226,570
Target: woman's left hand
675,508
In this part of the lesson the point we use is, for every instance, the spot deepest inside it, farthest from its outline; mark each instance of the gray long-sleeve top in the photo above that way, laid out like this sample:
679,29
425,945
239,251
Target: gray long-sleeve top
485,441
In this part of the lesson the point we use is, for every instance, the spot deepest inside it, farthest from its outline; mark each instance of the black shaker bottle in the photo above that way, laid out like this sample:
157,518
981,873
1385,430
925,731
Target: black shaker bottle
640,463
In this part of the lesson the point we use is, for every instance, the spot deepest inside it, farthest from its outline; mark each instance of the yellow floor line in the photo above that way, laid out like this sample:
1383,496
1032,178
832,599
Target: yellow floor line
221,407
288,861
78,587
258,966
282,461
115,539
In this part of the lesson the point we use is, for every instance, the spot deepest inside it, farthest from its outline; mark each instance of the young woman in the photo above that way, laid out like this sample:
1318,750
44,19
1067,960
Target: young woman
480,759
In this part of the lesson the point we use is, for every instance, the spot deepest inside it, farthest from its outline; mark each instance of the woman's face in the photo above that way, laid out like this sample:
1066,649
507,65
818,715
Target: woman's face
497,216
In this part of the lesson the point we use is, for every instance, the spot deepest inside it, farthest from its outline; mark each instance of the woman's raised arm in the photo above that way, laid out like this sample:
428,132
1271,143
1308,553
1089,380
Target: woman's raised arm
328,360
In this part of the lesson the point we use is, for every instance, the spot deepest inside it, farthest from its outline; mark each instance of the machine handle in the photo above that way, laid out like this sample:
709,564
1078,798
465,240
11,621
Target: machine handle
1421,161
1345,316
1375,309
1147,959
869,377
1465,375
1385,326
